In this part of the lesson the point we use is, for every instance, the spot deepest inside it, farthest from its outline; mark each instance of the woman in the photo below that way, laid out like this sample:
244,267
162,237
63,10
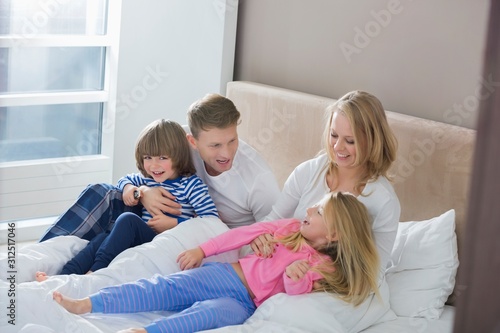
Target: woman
360,147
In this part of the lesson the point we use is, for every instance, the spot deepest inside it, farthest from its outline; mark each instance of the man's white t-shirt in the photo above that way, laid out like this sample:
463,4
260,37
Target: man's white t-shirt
244,194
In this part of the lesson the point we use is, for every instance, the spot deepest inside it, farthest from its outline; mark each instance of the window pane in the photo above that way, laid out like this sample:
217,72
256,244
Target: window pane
48,131
44,69
34,17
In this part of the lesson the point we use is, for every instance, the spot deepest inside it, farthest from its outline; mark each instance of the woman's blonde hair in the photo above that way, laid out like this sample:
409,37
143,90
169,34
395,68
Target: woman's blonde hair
354,274
375,143
165,138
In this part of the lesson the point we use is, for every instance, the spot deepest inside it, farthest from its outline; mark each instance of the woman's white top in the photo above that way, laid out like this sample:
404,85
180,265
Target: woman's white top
307,185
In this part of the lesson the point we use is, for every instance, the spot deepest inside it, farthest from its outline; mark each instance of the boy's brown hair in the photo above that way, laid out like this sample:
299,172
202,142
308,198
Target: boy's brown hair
165,138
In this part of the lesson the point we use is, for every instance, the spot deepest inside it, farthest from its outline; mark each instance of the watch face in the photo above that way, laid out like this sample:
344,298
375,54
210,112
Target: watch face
137,194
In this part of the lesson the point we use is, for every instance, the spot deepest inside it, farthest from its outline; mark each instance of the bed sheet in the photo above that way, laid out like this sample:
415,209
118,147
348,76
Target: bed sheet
37,312
417,325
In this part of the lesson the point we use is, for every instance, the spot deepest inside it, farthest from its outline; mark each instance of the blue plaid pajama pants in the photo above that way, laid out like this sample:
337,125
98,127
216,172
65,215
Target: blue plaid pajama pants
95,211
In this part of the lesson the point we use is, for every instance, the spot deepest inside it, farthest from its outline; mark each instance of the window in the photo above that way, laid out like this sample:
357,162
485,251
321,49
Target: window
58,62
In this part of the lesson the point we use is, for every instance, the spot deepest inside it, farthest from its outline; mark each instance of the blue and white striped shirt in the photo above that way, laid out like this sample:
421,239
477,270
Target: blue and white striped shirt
190,192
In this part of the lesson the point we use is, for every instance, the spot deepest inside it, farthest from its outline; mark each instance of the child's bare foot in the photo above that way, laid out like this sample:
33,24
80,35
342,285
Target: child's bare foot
134,330
76,306
41,276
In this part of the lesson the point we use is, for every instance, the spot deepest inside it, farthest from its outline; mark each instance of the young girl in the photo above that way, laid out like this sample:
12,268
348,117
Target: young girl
332,250
164,160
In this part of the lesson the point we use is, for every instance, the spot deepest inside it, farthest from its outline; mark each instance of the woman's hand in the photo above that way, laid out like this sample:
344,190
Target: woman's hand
190,258
160,223
262,246
297,269
158,200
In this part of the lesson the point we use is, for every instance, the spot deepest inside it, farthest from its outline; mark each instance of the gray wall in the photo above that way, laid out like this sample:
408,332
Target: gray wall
422,58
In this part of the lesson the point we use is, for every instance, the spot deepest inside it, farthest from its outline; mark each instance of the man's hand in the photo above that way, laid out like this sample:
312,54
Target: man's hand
191,258
160,223
262,246
297,269
157,201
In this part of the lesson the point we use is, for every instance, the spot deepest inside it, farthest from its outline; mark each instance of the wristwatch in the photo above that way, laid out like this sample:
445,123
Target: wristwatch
137,194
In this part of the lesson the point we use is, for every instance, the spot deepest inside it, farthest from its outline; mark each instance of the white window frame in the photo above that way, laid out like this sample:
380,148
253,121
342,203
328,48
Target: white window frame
41,188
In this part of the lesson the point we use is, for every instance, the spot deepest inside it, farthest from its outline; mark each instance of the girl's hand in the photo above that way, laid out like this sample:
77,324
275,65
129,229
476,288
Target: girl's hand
128,195
262,246
297,269
160,223
158,200
190,258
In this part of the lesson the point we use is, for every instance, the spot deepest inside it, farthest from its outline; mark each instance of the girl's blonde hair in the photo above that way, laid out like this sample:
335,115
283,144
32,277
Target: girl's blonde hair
375,143
165,138
354,274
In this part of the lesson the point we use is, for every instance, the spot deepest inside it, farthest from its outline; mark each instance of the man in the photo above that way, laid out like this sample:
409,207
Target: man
239,180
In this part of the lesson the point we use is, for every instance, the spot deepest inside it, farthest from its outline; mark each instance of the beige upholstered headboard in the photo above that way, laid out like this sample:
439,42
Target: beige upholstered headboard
432,171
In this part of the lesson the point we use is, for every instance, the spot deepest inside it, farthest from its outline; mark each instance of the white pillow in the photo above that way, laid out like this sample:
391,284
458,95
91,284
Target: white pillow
319,313
424,263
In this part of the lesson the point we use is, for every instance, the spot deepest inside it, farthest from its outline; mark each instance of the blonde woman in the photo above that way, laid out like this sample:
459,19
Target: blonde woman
331,250
359,149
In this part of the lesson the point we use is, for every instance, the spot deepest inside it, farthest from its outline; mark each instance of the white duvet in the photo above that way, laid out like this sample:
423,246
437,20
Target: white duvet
35,311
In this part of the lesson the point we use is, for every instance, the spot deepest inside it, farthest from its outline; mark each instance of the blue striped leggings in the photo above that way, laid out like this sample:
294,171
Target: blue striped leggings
207,297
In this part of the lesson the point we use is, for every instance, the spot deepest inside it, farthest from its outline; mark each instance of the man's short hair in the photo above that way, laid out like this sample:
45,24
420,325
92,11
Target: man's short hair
212,111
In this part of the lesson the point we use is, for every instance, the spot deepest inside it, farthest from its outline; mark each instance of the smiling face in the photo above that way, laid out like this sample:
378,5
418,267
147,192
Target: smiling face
342,141
159,168
217,148
314,229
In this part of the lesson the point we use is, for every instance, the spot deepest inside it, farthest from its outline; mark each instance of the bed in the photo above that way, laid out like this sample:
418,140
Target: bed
431,177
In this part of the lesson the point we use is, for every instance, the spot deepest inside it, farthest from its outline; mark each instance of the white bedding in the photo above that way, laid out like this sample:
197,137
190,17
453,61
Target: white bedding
318,312
34,304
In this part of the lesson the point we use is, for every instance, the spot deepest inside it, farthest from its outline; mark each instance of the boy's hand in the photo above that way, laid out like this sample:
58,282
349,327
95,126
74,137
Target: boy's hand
297,269
128,195
191,258
160,223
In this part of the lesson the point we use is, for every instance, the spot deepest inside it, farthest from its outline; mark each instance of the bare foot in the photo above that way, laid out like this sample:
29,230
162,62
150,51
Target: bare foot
134,330
76,306
41,276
